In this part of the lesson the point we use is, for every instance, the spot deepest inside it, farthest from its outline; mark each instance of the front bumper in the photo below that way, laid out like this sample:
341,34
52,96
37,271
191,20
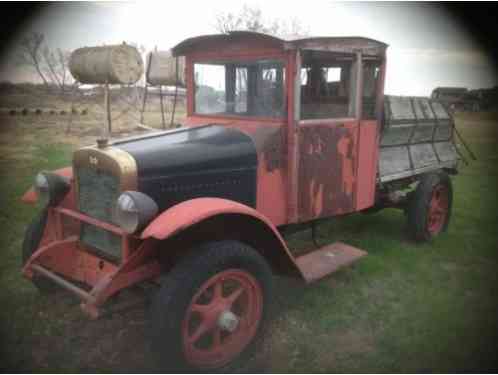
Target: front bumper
62,258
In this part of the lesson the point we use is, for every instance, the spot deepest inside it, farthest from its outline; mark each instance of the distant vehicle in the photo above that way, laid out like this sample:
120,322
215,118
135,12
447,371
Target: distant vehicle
488,98
279,135
456,99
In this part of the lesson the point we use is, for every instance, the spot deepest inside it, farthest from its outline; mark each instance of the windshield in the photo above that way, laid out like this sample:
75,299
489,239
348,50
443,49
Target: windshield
249,88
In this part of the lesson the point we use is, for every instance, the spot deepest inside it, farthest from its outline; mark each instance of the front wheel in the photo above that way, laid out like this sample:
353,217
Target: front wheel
429,208
212,308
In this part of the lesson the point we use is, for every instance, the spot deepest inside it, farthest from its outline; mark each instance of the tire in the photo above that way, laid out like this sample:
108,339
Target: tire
189,298
32,238
429,207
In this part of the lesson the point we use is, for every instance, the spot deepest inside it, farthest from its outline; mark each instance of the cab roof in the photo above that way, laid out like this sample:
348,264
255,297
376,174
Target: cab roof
343,44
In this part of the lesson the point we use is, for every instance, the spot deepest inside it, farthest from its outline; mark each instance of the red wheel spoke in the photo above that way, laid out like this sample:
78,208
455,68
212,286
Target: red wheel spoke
439,210
201,330
233,297
243,322
434,202
216,338
218,290
201,309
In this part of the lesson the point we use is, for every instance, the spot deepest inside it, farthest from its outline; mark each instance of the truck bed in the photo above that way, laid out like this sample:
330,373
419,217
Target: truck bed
416,137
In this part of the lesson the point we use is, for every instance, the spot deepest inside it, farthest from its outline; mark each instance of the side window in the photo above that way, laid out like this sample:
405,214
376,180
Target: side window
328,85
371,72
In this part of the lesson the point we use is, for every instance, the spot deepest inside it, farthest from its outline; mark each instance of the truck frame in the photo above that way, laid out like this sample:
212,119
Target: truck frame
279,135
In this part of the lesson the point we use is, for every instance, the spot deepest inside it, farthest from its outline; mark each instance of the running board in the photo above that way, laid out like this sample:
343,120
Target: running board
327,259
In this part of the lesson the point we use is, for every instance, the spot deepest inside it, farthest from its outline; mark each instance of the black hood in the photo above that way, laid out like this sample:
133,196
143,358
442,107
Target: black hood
186,163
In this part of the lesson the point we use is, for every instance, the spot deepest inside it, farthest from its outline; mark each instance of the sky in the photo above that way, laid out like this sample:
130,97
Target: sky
427,47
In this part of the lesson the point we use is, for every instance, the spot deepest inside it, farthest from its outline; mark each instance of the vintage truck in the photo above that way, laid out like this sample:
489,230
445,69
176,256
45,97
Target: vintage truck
279,135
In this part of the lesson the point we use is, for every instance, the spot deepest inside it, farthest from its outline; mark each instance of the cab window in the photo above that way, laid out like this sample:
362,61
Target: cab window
328,85
250,88
371,73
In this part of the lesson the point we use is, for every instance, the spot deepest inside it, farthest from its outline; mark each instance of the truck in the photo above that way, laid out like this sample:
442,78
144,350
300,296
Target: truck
279,135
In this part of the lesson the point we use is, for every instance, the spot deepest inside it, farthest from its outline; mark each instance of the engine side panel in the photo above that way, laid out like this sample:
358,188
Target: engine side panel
205,161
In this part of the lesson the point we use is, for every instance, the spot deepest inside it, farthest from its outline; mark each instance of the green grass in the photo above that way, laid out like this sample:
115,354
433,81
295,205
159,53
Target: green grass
21,305
405,307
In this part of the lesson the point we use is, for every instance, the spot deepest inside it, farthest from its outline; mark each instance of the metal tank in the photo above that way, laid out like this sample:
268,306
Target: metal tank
161,69
116,64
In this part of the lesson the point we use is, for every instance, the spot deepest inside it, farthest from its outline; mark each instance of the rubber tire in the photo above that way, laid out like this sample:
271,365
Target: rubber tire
418,205
180,285
32,238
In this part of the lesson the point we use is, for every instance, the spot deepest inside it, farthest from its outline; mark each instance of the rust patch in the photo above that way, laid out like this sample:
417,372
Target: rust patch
273,152
326,171
269,143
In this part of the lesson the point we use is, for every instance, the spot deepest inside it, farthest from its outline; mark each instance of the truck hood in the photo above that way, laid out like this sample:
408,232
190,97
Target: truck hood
186,163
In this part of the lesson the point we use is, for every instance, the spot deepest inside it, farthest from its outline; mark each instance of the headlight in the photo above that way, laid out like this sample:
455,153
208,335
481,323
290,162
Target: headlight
41,187
134,210
51,188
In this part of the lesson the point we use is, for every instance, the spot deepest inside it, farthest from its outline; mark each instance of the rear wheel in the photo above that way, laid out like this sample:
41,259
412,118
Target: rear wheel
32,238
212,308
429,208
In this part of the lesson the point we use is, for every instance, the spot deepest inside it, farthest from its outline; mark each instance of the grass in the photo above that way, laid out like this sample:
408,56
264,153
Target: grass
405,307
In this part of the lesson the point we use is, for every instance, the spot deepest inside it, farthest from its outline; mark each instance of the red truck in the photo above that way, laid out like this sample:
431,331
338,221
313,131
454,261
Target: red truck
279,135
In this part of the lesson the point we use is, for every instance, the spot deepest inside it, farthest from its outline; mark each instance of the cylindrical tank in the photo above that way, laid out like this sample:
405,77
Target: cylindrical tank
117,64
161,69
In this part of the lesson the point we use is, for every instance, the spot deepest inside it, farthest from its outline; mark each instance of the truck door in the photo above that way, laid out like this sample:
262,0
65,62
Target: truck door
327,134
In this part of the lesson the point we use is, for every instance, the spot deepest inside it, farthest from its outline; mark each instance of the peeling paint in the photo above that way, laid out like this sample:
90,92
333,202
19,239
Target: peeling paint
326,171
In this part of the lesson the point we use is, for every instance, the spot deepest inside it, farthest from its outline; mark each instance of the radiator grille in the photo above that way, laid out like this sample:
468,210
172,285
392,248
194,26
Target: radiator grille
97,195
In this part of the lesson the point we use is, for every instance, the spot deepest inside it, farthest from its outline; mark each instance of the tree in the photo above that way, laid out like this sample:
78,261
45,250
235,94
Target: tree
251,19
57,66
51,65
30,53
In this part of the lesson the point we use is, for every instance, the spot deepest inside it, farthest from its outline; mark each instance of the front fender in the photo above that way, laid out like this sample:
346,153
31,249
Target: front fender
191,212
31,197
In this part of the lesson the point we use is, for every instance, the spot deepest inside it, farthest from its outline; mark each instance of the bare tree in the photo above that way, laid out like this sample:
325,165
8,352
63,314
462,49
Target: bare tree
51,65
251,19
30,53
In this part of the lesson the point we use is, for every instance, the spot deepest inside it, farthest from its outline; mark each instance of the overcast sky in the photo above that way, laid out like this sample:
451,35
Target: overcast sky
427,48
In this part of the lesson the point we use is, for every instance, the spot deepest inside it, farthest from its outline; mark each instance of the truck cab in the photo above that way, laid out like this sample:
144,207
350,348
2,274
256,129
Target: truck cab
311,107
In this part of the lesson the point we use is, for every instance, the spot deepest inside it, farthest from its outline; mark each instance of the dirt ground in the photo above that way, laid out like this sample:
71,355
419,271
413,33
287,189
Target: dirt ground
118,342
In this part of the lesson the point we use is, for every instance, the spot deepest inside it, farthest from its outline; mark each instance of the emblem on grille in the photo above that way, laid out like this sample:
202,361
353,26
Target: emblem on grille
93,160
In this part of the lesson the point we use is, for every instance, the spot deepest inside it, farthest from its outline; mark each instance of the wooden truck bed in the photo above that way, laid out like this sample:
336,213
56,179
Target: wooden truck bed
416,137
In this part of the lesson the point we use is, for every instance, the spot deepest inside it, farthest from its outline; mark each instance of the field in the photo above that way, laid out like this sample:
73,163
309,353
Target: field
404,308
